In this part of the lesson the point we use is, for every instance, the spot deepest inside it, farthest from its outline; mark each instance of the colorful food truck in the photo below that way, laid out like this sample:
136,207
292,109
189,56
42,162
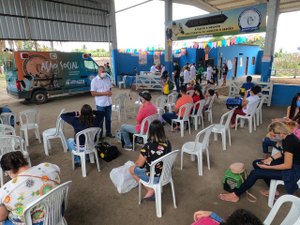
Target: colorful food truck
35,76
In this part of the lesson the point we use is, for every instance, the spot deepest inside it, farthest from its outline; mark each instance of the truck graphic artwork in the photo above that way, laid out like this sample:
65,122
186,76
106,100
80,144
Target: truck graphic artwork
36,75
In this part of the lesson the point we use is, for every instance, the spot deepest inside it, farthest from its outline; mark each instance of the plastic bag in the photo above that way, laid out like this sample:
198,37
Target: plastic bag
122,179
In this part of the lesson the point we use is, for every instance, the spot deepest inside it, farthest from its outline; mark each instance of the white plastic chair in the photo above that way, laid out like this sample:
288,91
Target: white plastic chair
165,178
29,120
222,128
7,130
7,117
259,110
160,103
293,216
55,132
171,100
119,107
187,108
54,203
146,122
209,110
123,82
91,137
198,117
272,190
10,143
196,148
250,116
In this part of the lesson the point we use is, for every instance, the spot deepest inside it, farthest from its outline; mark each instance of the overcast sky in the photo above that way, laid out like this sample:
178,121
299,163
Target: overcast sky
143,26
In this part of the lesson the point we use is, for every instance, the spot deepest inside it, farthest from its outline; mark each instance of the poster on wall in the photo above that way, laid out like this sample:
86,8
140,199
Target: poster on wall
156,58
236,21
142,58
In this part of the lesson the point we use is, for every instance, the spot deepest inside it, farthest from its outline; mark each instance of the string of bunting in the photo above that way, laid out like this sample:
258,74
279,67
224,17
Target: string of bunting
180,47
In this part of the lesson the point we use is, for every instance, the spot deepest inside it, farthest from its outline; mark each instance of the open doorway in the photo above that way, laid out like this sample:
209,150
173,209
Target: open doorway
235,64
246,66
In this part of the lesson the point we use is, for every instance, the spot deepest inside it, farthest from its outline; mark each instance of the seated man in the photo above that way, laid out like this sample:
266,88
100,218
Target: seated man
247,86
184,99
247,103
146,109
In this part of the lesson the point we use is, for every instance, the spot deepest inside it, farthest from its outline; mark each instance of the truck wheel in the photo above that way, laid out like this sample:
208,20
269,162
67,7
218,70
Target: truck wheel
40,97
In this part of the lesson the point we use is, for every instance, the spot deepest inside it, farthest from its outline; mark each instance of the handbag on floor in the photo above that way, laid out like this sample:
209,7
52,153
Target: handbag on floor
122,179
234,177
107,152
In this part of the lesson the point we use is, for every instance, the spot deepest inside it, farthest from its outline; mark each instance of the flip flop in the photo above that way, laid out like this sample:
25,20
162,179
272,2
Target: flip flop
266,193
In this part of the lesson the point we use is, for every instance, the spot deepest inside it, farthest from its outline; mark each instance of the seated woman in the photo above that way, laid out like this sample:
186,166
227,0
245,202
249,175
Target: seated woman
208,97
190,86
292,120
238,217
157,146
247,103
284,165
27,185
198,95
79,121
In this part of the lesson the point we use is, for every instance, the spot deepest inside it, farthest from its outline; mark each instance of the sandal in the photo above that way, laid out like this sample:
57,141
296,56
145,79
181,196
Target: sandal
228,198
266,193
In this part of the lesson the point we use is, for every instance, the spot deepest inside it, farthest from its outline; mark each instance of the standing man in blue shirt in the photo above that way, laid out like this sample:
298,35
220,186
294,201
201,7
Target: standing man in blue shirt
101,90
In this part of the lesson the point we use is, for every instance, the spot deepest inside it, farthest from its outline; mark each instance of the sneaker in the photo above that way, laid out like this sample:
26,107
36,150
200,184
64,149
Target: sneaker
128,147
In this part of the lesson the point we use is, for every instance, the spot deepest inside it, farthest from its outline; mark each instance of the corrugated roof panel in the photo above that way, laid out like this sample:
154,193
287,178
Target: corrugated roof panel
59,20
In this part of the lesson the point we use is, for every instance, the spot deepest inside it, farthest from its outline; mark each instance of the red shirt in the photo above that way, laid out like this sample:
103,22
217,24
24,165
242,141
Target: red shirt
145,110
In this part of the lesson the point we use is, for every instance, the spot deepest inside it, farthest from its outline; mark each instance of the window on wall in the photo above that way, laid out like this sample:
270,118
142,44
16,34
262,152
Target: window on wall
253,60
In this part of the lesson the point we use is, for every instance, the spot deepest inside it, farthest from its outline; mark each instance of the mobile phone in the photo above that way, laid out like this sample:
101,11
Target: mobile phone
261,163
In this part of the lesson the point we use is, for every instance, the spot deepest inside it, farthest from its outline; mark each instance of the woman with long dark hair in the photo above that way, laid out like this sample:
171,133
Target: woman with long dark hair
293,112
86,118
27,185
157,146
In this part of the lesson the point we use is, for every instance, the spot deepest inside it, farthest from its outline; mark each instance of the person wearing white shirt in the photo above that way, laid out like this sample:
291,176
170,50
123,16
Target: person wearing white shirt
193,72
186,75
153,68
209,71
101,90
248,103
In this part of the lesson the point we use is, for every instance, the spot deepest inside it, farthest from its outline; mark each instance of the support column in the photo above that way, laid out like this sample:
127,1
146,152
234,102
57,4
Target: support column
168,43
113,38
267,59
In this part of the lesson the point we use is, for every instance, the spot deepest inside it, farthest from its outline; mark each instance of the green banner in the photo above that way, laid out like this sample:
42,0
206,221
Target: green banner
250,19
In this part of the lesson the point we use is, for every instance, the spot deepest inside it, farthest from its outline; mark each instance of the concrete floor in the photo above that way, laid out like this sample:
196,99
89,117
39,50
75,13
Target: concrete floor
94,199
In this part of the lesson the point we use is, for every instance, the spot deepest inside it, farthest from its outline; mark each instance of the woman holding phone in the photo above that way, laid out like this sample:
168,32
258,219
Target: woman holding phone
284,165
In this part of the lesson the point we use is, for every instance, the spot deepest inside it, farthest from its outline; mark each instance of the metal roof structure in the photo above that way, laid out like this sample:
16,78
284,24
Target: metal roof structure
85,20
219,5
55,20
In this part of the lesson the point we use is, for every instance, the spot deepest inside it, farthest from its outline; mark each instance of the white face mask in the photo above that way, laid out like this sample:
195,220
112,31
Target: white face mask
102,75
277,138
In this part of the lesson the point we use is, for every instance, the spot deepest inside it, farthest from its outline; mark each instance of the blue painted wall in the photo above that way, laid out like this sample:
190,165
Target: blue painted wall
283,94
125,63
229,53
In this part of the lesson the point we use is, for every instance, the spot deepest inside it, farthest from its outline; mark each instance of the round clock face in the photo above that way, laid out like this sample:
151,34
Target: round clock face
249,20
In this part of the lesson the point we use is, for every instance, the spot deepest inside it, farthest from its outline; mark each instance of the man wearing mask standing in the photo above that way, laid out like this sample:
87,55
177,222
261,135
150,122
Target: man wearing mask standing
101,90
